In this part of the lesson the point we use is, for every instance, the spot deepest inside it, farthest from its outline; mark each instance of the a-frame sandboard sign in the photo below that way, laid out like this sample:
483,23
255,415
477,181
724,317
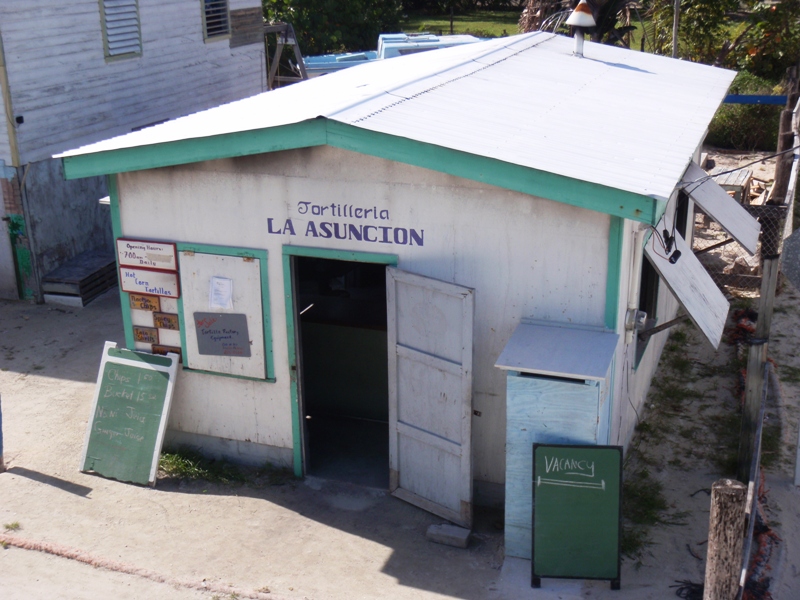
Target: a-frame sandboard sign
577,493
129,415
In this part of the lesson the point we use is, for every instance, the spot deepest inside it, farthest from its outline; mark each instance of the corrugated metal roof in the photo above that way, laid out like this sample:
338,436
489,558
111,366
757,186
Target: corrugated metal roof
618,118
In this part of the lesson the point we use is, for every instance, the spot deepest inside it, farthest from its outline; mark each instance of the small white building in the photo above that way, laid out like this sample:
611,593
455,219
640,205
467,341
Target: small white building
76,72
380,234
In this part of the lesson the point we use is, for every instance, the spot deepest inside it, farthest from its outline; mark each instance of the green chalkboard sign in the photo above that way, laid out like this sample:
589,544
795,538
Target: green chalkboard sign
129,414
576,512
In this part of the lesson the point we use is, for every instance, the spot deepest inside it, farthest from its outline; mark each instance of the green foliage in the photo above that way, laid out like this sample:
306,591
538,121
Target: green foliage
771,43
704,27
760,37
746,126
460,6
480,23
325,26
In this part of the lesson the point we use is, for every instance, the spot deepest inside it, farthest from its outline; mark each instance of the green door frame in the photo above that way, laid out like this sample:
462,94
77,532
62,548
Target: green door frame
291,327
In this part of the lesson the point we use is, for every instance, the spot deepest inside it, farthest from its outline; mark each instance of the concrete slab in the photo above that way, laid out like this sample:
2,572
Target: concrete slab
449,535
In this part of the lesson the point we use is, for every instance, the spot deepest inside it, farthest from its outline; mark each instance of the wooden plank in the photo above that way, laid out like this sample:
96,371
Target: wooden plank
434,362
691,284
725,539
436,509
82,267
559,351
713,200
421,436
540,410
430,393
87,290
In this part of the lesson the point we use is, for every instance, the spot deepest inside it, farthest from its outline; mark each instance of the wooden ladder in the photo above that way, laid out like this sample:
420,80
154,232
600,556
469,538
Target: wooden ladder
286,37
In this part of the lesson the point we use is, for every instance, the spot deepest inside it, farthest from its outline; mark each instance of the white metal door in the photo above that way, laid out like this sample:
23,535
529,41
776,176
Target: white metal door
430,394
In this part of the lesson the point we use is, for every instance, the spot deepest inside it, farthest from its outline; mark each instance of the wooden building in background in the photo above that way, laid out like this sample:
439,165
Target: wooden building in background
75,72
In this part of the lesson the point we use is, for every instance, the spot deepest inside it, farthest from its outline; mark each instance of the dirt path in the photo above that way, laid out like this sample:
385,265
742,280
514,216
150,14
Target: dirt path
308,539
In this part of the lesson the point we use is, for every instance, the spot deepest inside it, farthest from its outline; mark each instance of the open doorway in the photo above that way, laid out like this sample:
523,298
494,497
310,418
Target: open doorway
343,369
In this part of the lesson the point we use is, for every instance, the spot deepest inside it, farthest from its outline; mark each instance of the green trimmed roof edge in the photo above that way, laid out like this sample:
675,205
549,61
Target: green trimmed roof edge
322,131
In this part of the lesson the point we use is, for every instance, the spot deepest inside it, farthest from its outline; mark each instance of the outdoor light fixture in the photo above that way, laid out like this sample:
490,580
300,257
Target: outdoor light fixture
581,18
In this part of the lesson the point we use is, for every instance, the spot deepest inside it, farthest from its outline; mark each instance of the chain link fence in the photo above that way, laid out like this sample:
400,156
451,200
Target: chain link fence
733,269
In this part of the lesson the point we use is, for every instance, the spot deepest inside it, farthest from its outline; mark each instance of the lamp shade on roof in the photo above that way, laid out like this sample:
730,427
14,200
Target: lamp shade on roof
581,16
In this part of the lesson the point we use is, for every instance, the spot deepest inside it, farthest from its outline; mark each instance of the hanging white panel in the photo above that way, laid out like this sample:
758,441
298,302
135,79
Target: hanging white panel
718,205
430,394
691,284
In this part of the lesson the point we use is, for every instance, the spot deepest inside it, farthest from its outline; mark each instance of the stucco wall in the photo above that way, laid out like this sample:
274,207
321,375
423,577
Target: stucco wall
525,257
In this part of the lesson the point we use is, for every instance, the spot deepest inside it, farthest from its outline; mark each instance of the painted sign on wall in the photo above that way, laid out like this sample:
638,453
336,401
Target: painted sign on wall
142,302
330,222
153,255
222,334
145,281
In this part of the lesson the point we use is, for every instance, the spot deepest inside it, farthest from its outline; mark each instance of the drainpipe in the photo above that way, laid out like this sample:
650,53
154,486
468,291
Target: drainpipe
635,282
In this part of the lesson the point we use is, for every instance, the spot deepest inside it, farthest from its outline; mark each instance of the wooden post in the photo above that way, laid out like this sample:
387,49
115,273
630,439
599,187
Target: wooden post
676,20
756,358
783,164
725,540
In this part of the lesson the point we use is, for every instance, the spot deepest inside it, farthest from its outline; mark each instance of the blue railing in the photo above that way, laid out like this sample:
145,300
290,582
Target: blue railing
747,99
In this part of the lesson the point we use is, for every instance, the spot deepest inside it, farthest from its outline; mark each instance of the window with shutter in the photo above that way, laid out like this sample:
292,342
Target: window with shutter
216,19
122,34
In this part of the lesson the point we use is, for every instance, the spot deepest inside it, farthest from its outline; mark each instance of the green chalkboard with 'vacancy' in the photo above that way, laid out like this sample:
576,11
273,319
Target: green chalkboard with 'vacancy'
576,512
129,414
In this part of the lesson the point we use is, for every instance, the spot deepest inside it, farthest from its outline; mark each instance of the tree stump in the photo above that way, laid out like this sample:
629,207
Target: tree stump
725,540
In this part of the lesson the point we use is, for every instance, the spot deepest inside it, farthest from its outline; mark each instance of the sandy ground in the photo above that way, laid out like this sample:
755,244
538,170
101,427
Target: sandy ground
321,540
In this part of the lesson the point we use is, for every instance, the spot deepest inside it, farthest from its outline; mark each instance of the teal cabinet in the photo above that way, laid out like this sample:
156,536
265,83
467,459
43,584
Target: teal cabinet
549,402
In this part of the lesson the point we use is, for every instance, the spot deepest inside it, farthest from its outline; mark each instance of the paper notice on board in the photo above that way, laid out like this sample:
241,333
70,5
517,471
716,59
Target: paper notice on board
220,294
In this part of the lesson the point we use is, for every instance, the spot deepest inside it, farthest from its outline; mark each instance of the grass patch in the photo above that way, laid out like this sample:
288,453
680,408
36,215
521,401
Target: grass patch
188,464
669,394
15,526
789,374
770,443
643,505
725,429
480,23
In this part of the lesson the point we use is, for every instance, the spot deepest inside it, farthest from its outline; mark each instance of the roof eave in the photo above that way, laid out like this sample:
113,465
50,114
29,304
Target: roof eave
323,131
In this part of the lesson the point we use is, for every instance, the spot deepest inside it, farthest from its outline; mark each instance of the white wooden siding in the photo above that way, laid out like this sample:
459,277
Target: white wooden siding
5,118
71,95
523,256
5,142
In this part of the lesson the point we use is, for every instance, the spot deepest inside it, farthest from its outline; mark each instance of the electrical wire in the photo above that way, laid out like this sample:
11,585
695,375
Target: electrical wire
660,241
685,184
